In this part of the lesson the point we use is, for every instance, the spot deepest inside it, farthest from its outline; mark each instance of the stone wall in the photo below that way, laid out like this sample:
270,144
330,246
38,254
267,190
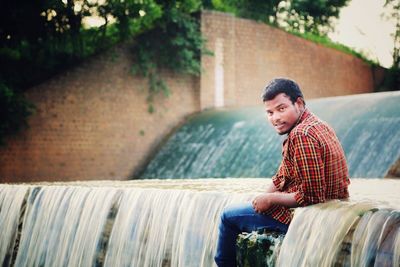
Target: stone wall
92,122
254,53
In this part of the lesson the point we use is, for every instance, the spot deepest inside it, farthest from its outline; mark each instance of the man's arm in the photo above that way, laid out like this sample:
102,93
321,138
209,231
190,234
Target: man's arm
271,188
308,164
263,202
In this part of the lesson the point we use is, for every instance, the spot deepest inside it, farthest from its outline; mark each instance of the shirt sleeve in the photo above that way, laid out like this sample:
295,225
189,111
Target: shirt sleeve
278,179
309,167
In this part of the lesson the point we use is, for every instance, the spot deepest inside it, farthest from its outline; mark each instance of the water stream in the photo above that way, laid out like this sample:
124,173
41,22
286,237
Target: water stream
240,142
174,223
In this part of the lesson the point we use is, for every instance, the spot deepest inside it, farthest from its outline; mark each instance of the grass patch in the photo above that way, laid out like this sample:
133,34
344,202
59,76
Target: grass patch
325,41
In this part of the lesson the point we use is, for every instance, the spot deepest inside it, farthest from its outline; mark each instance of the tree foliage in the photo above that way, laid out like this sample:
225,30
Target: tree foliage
37,40
315,16
14,110
394,6
265,11
392,79
174,43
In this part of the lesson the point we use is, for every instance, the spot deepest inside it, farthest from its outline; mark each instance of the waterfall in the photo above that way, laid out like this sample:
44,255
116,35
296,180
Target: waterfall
111,226
240,142
63,226
342,234
11,211
174,223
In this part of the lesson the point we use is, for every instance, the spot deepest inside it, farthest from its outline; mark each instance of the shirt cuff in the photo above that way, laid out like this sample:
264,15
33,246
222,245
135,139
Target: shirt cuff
278,182
299,197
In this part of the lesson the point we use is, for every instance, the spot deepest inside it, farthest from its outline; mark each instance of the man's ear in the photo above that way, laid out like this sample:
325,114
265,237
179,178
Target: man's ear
300,102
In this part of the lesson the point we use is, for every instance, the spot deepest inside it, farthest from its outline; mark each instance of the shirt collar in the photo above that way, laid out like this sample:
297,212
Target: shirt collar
306,113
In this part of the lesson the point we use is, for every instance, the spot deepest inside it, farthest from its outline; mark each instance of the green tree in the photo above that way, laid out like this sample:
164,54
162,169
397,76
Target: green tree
314,16
260,10
394,6
174,42
131,16
392,77
13,112
38,40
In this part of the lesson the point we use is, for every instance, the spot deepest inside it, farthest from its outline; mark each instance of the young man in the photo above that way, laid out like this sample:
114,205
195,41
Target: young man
313,170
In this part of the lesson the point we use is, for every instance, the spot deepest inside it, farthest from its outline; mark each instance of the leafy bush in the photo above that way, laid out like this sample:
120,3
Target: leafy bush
175,43
14,111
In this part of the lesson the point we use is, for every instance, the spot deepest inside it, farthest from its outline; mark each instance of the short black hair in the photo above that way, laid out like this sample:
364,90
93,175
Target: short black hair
282,85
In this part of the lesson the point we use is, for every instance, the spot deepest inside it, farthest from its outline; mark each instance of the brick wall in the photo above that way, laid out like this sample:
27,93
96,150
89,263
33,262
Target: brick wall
92,121
255,53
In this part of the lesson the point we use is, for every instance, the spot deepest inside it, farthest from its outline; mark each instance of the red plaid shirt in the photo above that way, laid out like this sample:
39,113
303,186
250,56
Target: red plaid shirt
313,166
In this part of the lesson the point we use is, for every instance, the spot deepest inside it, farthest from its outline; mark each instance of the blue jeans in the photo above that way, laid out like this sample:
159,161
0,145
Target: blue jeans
236,219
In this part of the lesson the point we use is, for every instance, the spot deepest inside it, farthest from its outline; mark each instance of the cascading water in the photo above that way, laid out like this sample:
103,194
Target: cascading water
342,234
240,143
174,223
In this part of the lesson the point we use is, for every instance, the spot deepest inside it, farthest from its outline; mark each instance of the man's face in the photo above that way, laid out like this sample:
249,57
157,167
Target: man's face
282,113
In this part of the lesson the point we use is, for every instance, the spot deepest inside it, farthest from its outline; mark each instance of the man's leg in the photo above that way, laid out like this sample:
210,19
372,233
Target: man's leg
234,220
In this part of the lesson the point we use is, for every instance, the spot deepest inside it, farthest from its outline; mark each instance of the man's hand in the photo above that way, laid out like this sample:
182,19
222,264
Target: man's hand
262,203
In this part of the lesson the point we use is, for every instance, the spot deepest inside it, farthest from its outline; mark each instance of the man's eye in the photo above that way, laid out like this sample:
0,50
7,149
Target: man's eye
281,109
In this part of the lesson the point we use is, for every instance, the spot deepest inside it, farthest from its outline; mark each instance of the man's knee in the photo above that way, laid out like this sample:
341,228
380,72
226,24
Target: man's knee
231,212
226,215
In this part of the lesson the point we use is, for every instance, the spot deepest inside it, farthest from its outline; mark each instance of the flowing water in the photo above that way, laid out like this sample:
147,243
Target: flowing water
240,142
174,223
